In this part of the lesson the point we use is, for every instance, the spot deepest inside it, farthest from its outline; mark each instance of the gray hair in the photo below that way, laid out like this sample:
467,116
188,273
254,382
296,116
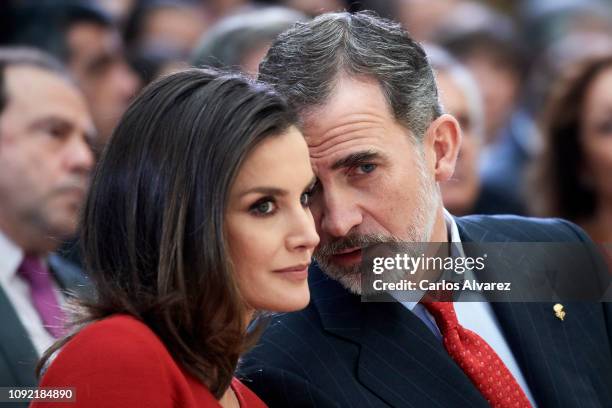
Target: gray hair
305,61
226,44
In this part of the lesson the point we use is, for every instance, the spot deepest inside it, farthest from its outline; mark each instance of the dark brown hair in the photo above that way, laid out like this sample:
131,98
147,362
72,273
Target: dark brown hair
153,225
556,174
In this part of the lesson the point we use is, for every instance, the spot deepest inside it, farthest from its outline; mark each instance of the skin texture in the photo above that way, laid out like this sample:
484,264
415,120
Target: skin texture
375,185
45,158
269,225
460,193
98,65
596,141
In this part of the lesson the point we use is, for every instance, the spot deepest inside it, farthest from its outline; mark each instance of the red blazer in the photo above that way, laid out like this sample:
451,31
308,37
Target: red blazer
120,362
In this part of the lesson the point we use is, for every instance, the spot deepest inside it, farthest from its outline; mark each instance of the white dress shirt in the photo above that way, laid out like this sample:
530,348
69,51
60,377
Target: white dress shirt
476,316
18,292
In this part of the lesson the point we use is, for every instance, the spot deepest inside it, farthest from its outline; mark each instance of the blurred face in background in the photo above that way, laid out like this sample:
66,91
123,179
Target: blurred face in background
177,26
499,84
315,7
460,193
45,157
269,226
423,17
98,64
596,136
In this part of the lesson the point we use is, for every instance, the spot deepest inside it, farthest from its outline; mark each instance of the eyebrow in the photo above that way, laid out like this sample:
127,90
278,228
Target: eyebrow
275,191
355,159
52,120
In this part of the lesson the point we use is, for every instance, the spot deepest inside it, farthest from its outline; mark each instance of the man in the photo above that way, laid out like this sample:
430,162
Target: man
380,145
87,41
460,96
45,161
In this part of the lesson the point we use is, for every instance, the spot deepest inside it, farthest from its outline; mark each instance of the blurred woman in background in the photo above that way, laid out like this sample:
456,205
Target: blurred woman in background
573,175
198,216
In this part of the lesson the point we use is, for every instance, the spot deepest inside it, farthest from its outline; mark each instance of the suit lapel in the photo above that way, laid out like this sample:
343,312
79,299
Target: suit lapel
557,358
16,345
400,360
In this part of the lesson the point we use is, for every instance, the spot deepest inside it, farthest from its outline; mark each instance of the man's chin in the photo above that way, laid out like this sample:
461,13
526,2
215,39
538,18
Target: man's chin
348,277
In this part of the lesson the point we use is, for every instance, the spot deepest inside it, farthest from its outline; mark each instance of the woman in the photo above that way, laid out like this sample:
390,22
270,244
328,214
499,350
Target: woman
197,217
573,175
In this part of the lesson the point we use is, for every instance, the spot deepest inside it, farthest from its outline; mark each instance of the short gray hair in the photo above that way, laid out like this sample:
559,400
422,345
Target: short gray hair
229,41
305,61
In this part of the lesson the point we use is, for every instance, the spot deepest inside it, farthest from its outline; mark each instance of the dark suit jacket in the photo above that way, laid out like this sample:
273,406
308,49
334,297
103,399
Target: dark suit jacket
340,352
17,354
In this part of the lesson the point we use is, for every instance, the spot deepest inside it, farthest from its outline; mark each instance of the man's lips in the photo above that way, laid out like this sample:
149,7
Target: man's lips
347,257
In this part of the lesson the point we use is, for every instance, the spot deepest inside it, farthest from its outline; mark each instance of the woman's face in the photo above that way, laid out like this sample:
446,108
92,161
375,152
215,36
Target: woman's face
270,229
596,135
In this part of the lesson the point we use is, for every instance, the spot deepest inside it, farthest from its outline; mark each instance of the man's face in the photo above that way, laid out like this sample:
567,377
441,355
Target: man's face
98,64
45,156
375,184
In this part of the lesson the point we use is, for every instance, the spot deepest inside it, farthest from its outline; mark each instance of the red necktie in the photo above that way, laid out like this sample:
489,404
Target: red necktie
42,294
477,359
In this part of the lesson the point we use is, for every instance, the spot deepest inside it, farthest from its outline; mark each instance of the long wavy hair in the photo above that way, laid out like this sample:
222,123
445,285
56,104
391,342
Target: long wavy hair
556,175
152,229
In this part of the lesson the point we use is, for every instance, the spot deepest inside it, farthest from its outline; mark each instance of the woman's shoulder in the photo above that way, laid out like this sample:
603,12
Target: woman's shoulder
246,397
118,336
119,345
120,359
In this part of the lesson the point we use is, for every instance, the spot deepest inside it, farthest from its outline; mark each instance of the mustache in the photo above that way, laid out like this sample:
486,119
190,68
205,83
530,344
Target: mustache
353,241
71,184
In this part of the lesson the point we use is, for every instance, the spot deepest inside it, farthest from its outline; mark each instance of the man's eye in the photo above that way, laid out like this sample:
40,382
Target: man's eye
366,168
263,207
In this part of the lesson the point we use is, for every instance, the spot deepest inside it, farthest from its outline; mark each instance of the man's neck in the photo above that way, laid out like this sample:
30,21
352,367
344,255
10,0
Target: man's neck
439,232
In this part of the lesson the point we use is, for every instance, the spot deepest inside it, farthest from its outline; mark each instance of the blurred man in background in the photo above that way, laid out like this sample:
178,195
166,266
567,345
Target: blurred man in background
460,96
46,134
242,40
89,44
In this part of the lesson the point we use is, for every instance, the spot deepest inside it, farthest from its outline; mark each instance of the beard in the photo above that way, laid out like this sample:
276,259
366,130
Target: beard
419,230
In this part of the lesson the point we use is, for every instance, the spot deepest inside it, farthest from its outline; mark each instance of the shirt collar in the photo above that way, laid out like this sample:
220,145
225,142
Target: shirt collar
11,257
456,250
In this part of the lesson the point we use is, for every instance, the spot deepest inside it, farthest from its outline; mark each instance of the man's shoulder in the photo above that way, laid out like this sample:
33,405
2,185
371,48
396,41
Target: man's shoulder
513,228
69,276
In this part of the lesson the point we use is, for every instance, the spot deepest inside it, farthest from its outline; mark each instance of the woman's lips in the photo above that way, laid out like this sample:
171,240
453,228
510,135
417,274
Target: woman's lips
297,272
347,257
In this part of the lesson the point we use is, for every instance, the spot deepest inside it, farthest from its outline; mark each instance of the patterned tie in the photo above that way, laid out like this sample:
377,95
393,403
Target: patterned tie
477,359
43,297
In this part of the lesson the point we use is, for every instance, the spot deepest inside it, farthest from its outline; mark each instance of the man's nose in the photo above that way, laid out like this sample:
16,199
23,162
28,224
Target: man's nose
339,215
79,156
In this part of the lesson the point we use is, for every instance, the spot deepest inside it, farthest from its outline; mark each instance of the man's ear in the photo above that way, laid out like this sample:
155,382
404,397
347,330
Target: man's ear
443,138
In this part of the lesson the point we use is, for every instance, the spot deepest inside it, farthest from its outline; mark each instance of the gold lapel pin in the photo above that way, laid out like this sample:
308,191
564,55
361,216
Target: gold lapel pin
559,312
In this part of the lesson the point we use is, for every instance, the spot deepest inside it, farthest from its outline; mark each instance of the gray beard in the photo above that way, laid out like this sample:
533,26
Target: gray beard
420,229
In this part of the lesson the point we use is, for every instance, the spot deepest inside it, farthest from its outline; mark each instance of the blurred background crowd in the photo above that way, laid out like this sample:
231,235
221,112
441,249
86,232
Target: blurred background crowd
526,79
534,139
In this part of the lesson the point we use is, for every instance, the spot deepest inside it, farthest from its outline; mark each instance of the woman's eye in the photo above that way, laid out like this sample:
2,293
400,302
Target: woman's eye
305,198
366,168
263,208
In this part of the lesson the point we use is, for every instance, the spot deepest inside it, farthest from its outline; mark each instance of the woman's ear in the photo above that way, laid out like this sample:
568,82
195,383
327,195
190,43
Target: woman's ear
444,137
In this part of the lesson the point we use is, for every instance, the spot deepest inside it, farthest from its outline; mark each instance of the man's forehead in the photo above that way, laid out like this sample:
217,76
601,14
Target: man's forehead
23,80
352,98
34,89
